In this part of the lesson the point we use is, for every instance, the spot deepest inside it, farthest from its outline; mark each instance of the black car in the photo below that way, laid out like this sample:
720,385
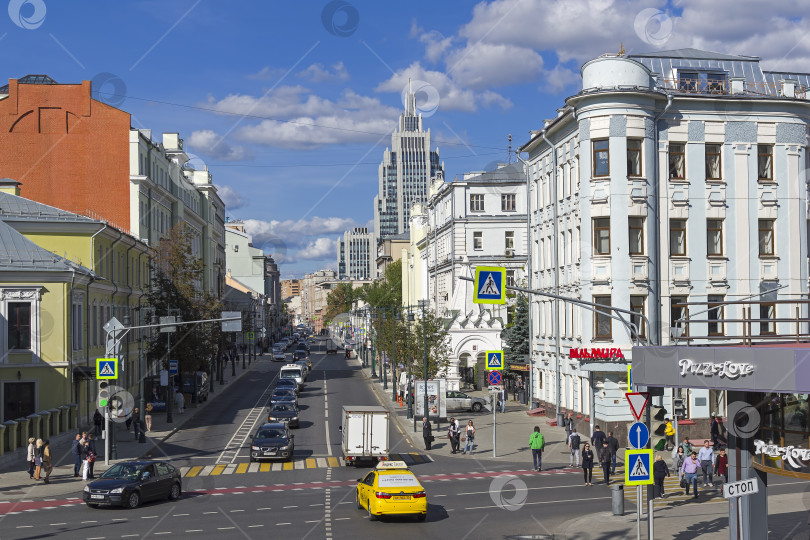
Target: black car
284,412
287,384
302,345
272,441
282,394
130,483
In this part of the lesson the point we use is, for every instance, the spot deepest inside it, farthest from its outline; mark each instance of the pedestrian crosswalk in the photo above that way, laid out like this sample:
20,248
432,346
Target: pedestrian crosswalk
295,464
674,493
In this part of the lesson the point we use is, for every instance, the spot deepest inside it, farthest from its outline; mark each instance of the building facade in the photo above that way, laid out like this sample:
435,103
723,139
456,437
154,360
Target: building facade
405,173
673,186
389,250
313,297
290,288
357,254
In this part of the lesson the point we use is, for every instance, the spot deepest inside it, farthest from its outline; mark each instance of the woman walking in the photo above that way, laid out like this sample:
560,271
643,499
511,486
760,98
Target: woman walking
470,434
85,449
180,401
30,458
37,459
587,464
677,460
46,460
147,417
660,472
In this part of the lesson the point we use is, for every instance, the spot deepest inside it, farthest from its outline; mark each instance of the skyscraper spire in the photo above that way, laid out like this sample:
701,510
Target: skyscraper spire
410,101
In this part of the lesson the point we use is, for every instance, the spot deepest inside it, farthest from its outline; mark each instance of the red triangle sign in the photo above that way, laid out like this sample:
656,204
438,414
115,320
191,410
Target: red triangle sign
638,402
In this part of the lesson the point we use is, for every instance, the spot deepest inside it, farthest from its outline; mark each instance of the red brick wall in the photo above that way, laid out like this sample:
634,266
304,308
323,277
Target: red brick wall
67,149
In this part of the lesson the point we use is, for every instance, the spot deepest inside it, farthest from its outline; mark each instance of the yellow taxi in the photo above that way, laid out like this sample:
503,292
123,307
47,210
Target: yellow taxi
391,489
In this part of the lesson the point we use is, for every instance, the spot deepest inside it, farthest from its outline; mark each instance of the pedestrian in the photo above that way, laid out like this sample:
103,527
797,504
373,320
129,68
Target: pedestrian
147,417
660,472
613,445
98,421
598,438
136,422
715,431
721,467
706,458
180,401
156,394
587,464
85,460
91,451
568,424
30,457
604,461
503,400
76,450
687,446
669,432
573,447
470,438
47,465
37,459
536,443
427,432
454,434
84,437
677,460
690,467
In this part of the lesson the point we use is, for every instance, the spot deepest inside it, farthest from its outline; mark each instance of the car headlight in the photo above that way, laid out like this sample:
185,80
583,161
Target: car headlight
285,447
254,447
294,418
87,488
117,490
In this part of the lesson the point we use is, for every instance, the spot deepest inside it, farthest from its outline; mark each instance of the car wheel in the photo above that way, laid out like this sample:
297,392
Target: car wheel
92,505
134,500
477,407
174,494
357,500
371,517
421,517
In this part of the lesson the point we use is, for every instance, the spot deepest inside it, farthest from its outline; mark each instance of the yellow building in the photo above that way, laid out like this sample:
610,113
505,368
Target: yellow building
414,259
62,277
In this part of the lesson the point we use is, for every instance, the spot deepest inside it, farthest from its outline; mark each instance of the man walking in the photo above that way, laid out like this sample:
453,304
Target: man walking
597,438
76,450
573,446
536,443
715,431
454,434
568,424
613,445
427,432
604,460
669,431
706,459
136,423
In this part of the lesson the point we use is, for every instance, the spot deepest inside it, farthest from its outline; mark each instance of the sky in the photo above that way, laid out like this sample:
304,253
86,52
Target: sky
291,104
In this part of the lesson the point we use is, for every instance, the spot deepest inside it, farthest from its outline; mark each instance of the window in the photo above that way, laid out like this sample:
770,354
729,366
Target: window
96,325
677,168
712,162
766,237
19,325
601,236
477,203
508,202
677,237
601,158
633,157
767,311
715,315
637,306
636,235
688,81
510,278
765,161
716,83
602,320
679,315
714,237
509,239
478,240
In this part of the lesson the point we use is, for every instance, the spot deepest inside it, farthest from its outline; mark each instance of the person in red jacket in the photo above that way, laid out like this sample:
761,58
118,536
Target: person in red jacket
721,465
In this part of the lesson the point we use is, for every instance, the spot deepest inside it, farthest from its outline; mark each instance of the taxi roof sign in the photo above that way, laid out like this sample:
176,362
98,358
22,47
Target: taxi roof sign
490,285
392,465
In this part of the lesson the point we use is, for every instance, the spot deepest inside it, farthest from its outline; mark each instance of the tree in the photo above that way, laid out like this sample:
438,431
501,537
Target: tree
516,333
411,339
339,301
384,292
177,283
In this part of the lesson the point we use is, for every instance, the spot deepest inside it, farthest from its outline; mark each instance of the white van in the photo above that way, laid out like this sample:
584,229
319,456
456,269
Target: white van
293,371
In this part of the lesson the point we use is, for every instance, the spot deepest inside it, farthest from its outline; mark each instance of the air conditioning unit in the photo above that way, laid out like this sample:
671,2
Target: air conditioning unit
509,253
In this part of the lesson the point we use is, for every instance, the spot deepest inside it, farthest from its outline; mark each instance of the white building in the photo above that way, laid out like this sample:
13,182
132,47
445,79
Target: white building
673,182
357,254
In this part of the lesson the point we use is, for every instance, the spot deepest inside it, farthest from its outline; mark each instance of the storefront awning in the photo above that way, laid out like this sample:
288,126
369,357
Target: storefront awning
83,372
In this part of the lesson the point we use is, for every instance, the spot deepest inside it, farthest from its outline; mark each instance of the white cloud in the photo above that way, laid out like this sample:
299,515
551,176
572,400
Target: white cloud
210,143
436,44
485,65
559,79
294,234
319,73
321,248
266,73
232,199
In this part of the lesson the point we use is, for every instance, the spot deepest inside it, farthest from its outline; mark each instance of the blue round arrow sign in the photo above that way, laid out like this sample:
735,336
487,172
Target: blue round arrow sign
639,435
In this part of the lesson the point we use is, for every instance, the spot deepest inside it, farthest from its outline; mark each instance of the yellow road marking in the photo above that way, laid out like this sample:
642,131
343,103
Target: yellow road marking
311,463
217,470
265,467
194,471
242,468
333,462
417,458
287,466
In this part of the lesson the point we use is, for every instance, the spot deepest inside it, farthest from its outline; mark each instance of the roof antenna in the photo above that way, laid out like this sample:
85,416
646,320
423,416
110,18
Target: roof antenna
509,149
622,52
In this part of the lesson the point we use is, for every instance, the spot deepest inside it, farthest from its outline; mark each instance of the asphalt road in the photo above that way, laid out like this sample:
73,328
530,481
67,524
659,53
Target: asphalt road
467,497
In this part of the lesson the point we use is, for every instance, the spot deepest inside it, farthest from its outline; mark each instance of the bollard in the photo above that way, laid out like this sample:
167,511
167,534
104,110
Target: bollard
617,493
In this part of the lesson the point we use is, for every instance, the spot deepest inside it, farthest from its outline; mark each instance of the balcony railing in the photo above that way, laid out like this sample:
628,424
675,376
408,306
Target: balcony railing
726,87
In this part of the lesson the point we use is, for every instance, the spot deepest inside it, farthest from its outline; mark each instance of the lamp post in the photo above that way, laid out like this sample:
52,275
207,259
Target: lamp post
373,351
423,304
410,368
173,316
382,363
394,382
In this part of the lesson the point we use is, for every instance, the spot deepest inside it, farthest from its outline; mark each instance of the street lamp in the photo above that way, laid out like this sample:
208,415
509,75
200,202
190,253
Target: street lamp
423,305
374,316
410,370
394,382
382,364
173,316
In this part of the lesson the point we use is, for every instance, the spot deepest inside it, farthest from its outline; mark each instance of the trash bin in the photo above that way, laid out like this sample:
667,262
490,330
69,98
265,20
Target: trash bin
617,495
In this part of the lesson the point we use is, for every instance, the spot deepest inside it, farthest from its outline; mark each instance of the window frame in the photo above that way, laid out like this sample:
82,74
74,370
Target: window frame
639,228
759,157
509,239
597,316
714,302
772,231
596,229
640,324
764,326
594,151
12,308
510,277
670,154
672,229
639,151
709,243
478,235
476,198
684,313
719,155
507,200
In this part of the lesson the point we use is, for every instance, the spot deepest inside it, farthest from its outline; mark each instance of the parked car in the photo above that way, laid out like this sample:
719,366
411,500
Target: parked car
130,483
283,394
272,441
279,356
284,412
459,401
303,364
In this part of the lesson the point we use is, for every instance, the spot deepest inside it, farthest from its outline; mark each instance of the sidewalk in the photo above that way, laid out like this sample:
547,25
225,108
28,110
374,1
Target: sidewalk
16,486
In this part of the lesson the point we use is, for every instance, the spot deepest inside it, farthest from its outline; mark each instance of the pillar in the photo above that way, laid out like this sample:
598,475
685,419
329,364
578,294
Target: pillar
23,432
45,424
56,420
11,427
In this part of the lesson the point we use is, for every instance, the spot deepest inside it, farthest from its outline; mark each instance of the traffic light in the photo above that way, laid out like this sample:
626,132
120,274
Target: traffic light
103,394
658,427
680,408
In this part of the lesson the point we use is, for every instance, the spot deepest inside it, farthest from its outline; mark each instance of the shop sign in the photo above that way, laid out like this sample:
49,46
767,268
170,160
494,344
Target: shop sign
731,370
785,453
518,367
597,353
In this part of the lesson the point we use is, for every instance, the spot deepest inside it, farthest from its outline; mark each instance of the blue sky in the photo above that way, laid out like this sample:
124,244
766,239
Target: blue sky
254,87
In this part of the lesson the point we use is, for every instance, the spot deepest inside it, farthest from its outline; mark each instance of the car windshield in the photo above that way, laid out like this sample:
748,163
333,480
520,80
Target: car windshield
270,434
121,470
290,374
283,407
283,392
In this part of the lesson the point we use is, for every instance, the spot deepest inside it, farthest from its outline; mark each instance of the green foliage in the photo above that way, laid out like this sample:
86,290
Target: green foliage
339,301
411,340
516,334
385,292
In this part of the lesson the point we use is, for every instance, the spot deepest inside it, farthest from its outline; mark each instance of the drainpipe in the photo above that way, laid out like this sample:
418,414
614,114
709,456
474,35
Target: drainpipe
529,273
656,333
554,261
71,394
86,333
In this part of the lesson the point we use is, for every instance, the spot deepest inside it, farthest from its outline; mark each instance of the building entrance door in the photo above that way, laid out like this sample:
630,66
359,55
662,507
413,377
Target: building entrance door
19,400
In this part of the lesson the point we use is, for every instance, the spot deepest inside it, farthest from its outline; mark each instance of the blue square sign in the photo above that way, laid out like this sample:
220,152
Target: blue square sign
638,467
489,285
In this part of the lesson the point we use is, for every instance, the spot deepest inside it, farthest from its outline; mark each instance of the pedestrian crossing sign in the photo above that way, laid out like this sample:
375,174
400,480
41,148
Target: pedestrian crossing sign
489,285
106,368
638,467
494,360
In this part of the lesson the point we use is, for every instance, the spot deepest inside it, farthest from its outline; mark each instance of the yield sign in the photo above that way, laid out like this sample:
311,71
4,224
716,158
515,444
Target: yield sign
638,402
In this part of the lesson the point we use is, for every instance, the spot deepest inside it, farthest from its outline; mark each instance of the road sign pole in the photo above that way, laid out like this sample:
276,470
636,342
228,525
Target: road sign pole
106,436
494,406
638,512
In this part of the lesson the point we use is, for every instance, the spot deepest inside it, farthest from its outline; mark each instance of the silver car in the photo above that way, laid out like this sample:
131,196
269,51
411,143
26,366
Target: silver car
459,401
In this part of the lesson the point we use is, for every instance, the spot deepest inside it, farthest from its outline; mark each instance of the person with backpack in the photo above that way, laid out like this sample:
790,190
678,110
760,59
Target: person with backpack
573,447
660,472
536,443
